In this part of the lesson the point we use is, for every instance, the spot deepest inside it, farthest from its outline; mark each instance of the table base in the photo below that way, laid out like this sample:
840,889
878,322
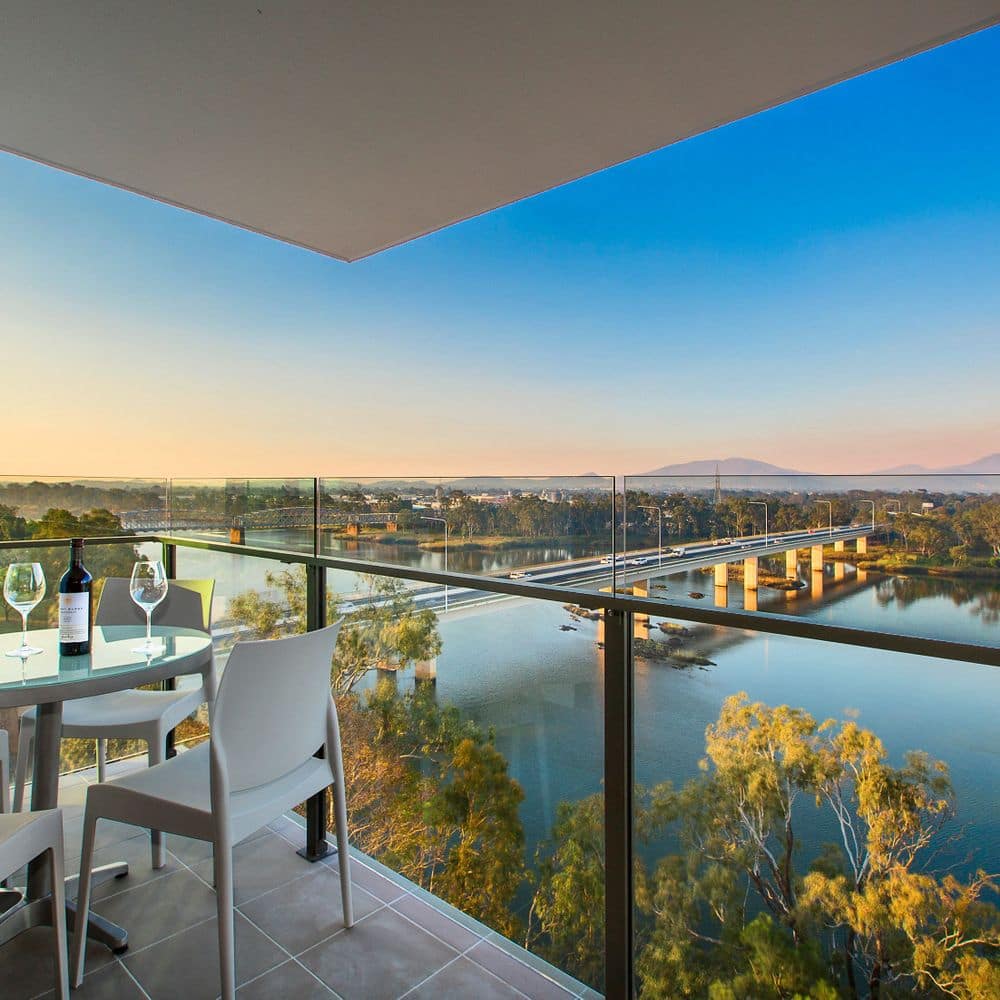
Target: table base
22,913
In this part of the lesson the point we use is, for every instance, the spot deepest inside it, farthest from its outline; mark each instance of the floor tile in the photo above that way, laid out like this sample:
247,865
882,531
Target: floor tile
285,982
157,909
529,958
191,852
405,941
27,968
424,915
372,882
516,973
187,965
109,983
136,854
289,829
463,979
259,865
379,958
304,912
107,833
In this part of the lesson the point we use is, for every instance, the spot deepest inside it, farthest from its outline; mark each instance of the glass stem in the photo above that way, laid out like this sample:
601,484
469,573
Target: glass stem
24,629
149,627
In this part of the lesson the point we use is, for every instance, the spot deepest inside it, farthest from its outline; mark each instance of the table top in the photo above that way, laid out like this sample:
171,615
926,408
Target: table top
112,664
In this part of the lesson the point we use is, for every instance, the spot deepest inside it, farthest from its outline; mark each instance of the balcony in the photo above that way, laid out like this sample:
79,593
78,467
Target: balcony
290,935
562,761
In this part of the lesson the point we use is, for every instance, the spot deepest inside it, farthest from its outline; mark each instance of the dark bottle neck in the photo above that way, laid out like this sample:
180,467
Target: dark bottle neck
76,552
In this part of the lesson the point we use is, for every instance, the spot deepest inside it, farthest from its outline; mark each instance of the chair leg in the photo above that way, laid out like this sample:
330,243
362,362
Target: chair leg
227,931
4,785
25,743
83,897
157,752
336,755
343,850
59,920
102,760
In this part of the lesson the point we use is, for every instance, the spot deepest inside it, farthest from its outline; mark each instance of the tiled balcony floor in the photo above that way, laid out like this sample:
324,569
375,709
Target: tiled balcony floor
291,941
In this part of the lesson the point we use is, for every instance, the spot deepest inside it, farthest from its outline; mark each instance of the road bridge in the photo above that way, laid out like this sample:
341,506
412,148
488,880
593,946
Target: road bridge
634,572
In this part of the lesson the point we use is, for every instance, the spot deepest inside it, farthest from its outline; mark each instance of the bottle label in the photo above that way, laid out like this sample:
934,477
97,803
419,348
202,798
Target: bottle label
74,617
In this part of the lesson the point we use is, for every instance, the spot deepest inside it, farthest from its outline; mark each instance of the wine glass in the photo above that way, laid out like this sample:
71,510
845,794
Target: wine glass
148,588
23,588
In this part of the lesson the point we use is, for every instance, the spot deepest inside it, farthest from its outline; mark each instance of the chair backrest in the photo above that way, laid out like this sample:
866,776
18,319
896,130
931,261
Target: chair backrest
271,707
188,604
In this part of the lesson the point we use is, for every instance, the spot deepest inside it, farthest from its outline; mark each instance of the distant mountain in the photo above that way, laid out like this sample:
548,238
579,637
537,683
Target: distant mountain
751,474
988,465
903,470
725,466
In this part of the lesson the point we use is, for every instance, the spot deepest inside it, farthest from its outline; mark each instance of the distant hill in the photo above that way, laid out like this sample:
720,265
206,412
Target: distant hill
988,465
725,466
752,474
903,470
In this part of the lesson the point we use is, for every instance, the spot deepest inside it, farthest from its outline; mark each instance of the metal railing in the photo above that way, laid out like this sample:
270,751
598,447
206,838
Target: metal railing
619,709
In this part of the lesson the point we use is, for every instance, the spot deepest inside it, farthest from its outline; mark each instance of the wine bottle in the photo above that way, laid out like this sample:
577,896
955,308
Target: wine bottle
75,607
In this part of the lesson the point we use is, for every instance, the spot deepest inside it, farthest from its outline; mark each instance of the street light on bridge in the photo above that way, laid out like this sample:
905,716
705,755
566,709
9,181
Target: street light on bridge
872,502
659,531
829,504
445,523
761,503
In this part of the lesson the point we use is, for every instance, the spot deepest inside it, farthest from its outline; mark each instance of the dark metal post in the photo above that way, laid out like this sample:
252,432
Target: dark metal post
170,560
619,786
315,598
170,566
317,805
317,516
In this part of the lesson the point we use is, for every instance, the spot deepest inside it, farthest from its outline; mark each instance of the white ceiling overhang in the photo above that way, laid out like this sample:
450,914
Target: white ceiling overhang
349,127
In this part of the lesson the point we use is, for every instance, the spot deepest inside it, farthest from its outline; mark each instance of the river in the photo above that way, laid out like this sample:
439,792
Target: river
511,667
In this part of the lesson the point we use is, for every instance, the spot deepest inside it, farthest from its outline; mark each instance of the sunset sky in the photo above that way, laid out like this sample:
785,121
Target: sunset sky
817,286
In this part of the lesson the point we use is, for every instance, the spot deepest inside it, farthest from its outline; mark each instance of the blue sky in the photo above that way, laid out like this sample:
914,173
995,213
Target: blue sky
815,286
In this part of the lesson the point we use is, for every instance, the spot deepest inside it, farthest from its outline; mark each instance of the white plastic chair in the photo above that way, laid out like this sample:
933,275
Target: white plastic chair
134,714
273,714
23,837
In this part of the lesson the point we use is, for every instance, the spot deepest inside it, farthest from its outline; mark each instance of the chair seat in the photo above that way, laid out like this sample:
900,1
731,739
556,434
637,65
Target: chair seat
85,718
175,796
24,835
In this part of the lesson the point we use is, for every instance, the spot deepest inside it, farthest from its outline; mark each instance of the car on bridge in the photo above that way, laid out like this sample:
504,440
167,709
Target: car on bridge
518,574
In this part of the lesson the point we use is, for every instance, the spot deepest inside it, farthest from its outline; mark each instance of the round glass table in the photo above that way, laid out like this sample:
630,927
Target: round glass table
47,680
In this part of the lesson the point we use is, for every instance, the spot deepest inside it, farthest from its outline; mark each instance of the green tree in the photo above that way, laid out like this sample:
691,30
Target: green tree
12,525
387,630
485,865
986,521
732,913
100,522
430,795
870,906
566,920
932,536
56,523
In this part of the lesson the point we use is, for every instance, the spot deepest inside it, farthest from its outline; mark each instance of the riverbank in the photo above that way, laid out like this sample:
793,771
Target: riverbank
482,543
882,559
